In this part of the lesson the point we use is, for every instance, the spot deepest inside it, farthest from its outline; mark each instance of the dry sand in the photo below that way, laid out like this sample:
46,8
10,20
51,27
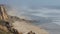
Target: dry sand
25,28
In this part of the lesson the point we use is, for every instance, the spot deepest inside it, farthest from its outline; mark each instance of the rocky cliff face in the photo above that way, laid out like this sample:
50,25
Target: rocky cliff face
4,18
3,14
6,21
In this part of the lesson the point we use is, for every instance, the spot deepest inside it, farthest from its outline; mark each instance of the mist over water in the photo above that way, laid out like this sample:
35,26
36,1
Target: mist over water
41,15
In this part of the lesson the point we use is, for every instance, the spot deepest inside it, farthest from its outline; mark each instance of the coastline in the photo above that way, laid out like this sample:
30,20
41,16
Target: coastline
25,28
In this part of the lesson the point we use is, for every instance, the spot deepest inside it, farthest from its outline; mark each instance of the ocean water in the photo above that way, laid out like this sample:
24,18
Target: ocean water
47,18
43,15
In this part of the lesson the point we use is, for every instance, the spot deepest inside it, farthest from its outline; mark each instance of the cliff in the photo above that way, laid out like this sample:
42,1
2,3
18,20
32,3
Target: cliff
3,14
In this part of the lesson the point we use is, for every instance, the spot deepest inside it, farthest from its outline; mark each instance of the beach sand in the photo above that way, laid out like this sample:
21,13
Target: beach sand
24,27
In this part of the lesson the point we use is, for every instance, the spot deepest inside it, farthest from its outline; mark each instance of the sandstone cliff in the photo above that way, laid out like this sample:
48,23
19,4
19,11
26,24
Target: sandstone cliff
3,14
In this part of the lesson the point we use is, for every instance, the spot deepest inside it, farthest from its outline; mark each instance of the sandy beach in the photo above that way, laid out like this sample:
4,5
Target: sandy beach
25,28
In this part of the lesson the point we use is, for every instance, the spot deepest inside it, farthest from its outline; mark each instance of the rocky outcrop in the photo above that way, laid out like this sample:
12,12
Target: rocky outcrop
5,21
3,14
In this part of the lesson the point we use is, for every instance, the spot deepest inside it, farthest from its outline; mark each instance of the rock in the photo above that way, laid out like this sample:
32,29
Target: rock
3,14
21,33
31,32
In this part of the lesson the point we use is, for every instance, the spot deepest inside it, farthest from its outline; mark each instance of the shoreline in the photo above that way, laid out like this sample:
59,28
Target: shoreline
25,28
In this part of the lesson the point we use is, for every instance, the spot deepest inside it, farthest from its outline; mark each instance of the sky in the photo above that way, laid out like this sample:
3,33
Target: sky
31,3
